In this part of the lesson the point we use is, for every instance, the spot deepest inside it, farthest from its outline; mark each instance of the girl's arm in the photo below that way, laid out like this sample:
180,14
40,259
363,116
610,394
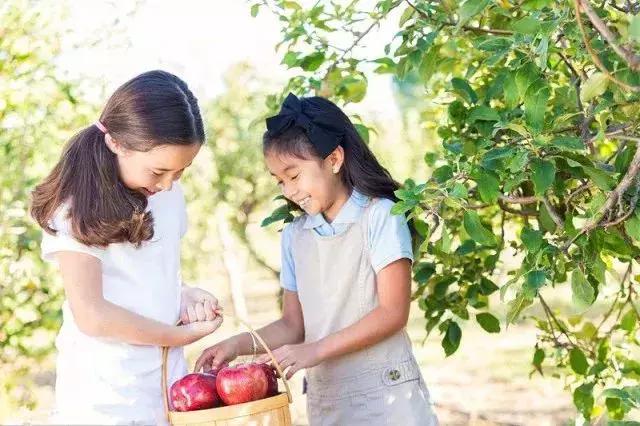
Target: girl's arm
286,331
97,317
394,294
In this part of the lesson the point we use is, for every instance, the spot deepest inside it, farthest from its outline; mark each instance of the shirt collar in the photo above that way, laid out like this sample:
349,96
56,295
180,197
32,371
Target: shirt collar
349,213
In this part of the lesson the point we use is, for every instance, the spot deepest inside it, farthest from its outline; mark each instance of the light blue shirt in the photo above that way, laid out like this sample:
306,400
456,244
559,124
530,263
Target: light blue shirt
389,236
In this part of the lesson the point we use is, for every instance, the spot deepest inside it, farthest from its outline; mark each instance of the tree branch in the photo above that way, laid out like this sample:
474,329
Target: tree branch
550,313
507,209
629,57
632,208
552,212
519,200
594,55
464,27
628,179
613,305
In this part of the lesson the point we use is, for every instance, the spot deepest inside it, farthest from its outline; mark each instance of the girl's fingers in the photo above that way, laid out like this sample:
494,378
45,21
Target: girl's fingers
191,313
263,359
293,370
208,311
200,313
204,360
214,302
184,317
285,363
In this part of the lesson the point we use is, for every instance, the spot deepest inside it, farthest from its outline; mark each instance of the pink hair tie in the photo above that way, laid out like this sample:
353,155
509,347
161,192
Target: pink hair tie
101,126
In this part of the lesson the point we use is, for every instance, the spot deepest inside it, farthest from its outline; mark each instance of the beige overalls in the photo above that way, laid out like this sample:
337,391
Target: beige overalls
380,385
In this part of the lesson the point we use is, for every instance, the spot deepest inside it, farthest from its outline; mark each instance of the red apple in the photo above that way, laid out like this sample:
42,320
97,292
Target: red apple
196,391
272,379
242,383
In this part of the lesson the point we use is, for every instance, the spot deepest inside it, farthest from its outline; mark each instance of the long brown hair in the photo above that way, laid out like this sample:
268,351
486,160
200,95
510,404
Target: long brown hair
152,109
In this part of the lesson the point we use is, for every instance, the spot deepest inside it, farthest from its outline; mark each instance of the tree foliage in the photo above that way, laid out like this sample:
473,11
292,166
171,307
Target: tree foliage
38,109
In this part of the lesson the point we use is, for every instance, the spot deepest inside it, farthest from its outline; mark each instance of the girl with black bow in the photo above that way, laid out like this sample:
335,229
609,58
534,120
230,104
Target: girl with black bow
346,274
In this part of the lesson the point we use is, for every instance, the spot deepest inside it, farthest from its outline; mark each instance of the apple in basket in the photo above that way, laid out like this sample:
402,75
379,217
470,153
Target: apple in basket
272,379
246,382
195,391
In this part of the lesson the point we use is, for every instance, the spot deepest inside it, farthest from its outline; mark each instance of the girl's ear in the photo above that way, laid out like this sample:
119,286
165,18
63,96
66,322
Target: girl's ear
113,145
336,159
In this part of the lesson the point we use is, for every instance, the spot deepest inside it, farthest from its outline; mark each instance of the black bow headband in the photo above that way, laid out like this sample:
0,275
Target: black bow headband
324,128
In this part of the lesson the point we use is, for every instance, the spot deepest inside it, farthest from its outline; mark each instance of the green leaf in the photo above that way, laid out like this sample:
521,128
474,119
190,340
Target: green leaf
568,142
517,306
595,86
498,153
424,271
462,88
487,286
482,112
443,174
291,5
469,9
543,174
546,221
532,239
526,25
281,213
535,280
583,399
363,131
542,52
406,15
578,361
459,191
444,243
511,96
290,59
632,226
353,88
583,294
488,322
519,161
312,62
599,177
476,229
387,66
535,104
488,187
634,29
429,64
451,340
538,359
628,321
525,77
255,9
494,44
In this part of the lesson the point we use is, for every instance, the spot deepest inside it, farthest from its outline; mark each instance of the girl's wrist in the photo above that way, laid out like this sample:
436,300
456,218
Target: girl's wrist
321,348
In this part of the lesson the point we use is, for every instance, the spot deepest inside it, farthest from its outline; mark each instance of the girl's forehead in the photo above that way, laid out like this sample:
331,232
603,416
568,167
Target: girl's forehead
171,157
278,161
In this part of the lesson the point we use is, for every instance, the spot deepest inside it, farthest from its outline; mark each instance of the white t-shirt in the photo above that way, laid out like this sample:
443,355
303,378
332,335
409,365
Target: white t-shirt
102,381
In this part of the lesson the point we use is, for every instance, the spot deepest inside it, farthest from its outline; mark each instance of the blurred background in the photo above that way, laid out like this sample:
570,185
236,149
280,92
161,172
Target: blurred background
58,62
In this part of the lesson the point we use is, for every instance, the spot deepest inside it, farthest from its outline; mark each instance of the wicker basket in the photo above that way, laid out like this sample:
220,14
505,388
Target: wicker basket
273,411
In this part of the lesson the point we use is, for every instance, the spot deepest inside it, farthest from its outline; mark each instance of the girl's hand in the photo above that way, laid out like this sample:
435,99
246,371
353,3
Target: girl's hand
295,357
197,304
189,333
217,356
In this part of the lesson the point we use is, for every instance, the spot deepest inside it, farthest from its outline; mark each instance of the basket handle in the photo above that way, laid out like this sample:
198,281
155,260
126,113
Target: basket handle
254,334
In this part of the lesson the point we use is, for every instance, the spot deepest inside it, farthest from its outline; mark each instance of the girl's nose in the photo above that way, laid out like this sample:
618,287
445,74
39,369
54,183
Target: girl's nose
289,191
165,184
